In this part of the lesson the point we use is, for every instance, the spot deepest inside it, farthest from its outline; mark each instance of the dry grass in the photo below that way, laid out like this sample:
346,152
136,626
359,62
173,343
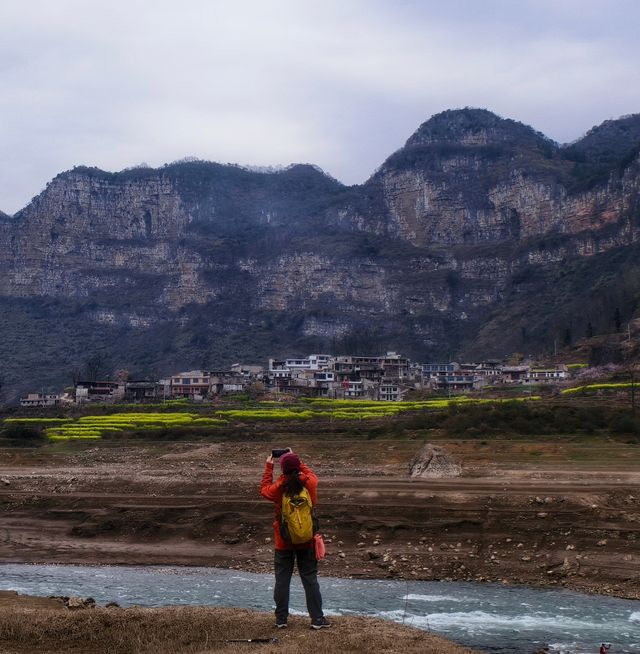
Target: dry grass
198,630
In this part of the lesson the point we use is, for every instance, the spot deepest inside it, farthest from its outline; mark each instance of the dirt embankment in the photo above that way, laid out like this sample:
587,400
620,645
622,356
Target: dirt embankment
570,526
52,628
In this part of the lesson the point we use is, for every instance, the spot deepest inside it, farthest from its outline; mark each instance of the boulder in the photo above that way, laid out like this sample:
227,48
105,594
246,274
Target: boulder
434,461
74,602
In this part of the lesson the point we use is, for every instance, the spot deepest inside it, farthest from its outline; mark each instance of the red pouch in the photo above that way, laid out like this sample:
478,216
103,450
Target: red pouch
320,548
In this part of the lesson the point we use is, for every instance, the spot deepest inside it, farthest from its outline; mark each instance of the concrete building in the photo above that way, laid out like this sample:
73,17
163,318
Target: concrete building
389,392
42,399
193,384
139,392
99,391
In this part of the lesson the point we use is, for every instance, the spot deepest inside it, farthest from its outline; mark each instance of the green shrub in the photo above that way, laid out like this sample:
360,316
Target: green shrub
520,418
23,435
37,421
625,423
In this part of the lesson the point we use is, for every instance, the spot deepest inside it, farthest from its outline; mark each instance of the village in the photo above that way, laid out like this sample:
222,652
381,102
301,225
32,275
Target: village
389,377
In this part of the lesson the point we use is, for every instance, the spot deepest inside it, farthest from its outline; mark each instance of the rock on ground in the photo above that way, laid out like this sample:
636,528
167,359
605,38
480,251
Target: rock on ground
434,461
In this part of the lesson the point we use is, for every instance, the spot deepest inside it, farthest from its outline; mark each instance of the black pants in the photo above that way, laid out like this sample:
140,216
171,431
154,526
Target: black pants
308,569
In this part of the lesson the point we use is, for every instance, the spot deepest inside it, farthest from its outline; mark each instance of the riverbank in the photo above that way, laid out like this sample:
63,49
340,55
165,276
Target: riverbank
568,520
30,624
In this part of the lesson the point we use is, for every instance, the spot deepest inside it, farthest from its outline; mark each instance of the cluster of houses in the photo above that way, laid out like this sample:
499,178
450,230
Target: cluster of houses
389,377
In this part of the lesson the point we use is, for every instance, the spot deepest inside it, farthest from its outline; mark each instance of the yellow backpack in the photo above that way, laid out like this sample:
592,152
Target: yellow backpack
296,518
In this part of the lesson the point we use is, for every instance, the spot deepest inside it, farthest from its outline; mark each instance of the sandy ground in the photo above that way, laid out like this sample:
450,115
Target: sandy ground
556,522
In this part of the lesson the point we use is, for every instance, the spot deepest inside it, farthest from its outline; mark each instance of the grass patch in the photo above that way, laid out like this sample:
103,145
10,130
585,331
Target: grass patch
202,629
600,387
265,414
97,426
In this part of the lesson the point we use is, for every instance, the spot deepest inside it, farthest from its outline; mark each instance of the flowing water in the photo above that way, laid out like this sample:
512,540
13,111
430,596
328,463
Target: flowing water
488,617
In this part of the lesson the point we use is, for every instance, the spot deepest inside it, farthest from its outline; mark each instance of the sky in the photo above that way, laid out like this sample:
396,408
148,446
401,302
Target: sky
338,83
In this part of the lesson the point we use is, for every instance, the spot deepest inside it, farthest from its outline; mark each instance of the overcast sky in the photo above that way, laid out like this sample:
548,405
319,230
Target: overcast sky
338,83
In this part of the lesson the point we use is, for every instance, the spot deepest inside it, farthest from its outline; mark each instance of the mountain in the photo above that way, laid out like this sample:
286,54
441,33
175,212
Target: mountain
479,237
611,146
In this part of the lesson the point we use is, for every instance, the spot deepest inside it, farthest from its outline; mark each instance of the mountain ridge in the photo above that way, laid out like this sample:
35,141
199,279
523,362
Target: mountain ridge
630,123
462,226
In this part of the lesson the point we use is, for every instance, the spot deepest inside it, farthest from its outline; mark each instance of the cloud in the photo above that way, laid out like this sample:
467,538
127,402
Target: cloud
340,84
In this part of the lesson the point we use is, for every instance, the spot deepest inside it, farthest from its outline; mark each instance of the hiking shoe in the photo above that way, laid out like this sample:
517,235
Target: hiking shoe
281,625
322,623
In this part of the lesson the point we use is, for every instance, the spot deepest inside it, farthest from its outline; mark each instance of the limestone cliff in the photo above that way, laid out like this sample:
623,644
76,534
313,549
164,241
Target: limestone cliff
480,235
468,177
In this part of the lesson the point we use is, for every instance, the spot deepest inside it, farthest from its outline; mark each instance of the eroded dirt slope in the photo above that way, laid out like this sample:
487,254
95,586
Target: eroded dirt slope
553,523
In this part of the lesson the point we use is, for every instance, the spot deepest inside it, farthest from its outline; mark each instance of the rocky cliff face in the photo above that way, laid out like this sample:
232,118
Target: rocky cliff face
472,237
468,177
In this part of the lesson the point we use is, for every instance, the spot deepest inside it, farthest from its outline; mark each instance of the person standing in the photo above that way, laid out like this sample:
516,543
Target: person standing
291,484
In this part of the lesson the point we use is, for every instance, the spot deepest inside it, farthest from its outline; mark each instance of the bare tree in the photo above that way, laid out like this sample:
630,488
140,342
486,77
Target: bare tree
76,375
121,375
95,367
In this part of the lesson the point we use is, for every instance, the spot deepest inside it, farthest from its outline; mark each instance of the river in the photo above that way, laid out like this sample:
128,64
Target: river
488,617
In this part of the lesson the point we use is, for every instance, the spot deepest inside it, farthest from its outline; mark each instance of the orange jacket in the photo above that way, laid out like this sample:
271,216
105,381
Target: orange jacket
272,490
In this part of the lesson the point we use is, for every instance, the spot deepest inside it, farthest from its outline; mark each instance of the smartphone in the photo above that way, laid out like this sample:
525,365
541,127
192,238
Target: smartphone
276,454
